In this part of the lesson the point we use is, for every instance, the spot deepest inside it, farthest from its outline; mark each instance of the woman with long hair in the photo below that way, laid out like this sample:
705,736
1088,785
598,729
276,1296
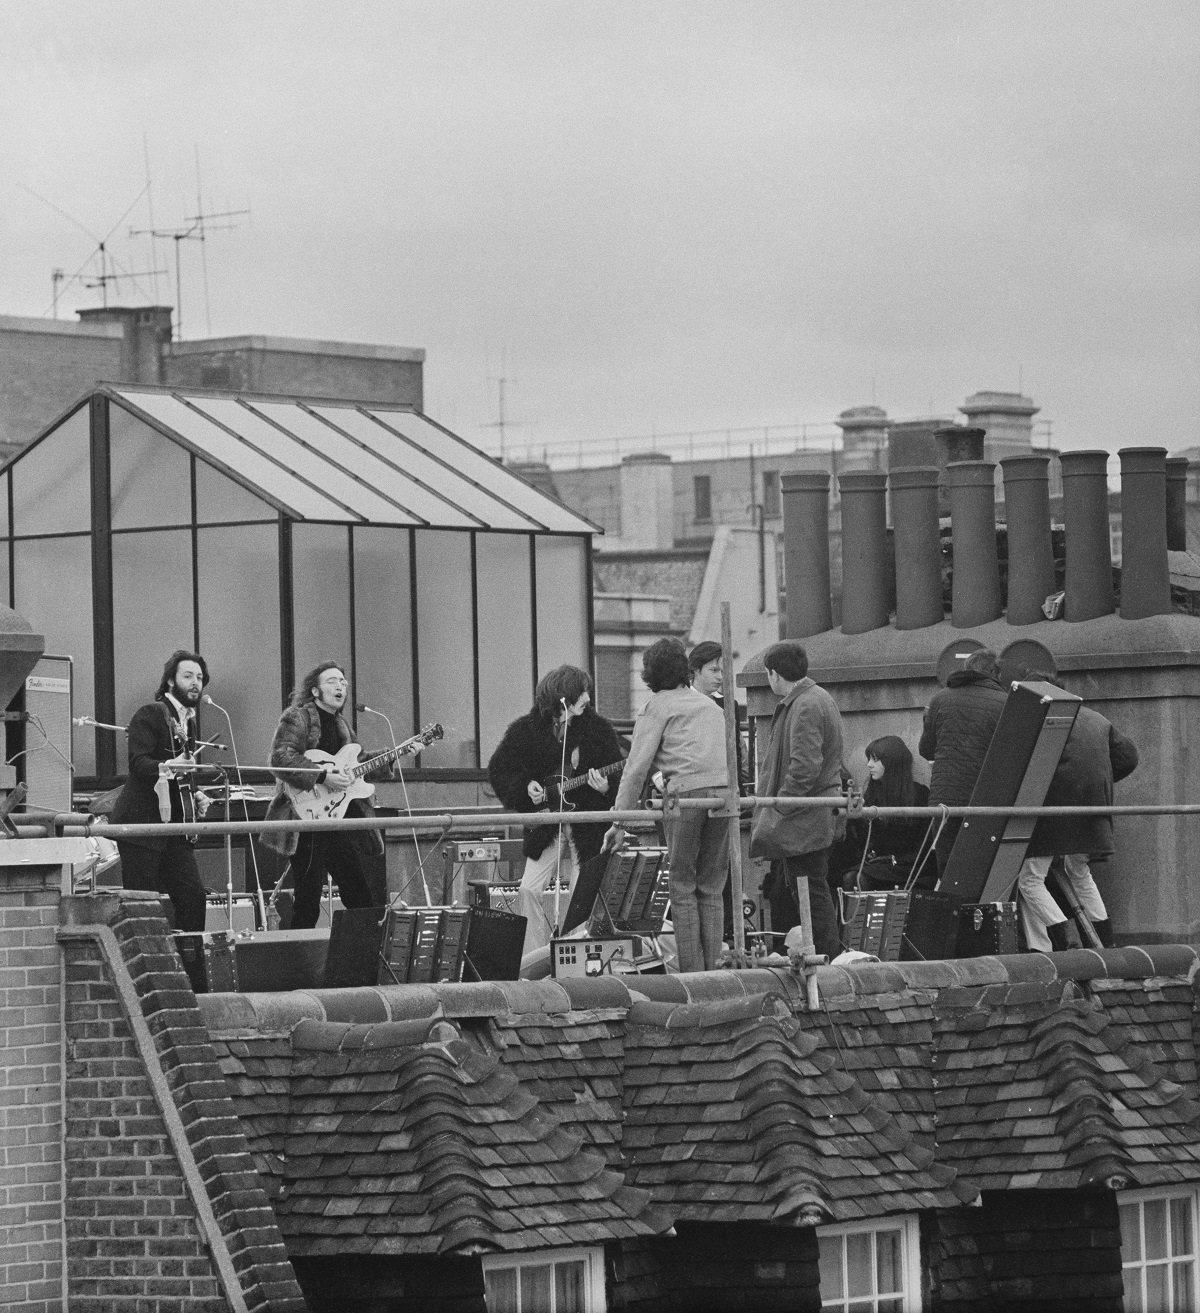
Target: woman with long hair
886,848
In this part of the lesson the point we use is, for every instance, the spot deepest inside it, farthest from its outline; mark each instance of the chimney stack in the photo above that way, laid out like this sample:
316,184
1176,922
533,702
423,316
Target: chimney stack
1030,552
975,593
647,503
865,594
805,497
1088,584
918,546
1145,579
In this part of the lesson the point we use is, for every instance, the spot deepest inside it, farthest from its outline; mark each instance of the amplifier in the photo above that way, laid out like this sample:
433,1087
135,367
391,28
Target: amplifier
593,957
216,915
423,944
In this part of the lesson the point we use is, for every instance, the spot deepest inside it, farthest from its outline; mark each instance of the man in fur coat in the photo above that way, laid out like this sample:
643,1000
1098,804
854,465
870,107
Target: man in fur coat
561,736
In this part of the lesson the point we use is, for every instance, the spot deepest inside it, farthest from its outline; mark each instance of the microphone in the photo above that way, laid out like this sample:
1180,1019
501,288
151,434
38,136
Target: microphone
97,724
214,706
82,720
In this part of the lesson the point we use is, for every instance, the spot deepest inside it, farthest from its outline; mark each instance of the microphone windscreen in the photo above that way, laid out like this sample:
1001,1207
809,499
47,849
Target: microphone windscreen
361,706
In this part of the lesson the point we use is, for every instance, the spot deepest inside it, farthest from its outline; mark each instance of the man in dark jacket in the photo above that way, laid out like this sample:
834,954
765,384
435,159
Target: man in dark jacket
958,727
1095,755
561,736
802,759
160,732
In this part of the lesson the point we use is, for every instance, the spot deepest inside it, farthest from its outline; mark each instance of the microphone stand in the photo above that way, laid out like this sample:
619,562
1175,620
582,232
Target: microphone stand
262,907
97,724
362,706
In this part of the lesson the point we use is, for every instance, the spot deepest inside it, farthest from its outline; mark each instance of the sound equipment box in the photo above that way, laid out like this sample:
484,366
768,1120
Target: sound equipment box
600,956
354,947
209,961
495,942
216,915
274,961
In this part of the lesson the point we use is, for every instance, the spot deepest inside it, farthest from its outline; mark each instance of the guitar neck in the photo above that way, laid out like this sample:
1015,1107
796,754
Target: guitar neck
567,785
407,747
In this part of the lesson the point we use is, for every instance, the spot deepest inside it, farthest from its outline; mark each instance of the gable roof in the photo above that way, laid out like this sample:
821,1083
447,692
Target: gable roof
347,462
613,1107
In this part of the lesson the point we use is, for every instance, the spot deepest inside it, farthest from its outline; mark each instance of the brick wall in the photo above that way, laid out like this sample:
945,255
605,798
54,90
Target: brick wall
30,1104
1028,1249
44,367
164,1208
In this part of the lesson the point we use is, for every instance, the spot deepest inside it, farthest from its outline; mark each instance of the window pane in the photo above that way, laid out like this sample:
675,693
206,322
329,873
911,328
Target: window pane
830,1249
53,591
889,1262
239,631
1183,1279
1156,1228
150,476
561,603
1131,1232
446,658
152,614
858,1264
569,1287
1132,1281
1181,1226
505,606
219,499
383,626
1156,1287
321,596
4,481
500,1290
52,481
535,1290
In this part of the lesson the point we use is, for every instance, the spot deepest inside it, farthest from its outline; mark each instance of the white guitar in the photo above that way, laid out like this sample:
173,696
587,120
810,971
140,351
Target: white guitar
323,802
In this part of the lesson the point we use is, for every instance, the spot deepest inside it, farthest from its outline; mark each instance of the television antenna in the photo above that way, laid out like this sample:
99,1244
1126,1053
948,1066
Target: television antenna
195,228
59,283
502,423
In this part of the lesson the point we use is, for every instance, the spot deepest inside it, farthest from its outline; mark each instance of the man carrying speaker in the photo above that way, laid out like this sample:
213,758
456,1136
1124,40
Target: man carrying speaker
313,720
560,737
160,732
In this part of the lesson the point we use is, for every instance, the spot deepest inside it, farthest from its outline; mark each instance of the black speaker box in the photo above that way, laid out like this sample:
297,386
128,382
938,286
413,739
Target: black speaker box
495,940
354,945
277,960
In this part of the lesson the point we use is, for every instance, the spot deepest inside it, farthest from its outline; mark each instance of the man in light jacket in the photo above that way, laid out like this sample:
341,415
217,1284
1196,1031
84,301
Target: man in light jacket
803,759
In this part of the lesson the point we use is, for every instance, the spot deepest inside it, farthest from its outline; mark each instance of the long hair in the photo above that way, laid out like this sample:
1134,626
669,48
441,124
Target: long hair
563,683
168,674
897,788
303,692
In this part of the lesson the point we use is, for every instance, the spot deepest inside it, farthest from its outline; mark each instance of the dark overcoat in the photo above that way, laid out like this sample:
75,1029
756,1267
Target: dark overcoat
152,740
958,727
529,750
1095,754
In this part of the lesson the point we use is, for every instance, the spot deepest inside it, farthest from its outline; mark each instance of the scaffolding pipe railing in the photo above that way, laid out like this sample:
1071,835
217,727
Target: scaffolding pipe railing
74,824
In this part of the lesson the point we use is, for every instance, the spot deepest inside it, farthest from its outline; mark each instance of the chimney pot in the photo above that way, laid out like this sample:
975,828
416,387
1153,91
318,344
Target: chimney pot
918,545
975,592
1030,552
1145,578
1088,582
805,498
865,593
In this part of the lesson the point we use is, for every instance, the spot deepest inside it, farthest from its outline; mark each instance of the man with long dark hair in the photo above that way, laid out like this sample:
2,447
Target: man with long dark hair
313,719
159,732
561,734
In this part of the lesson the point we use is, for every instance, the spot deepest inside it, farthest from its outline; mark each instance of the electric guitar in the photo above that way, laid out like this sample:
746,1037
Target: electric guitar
557,786
323,802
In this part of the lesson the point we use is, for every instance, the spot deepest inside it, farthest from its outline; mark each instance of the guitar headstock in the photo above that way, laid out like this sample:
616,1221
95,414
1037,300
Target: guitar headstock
431,733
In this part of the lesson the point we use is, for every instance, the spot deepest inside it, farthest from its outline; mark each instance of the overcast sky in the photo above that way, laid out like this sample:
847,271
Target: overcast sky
657,216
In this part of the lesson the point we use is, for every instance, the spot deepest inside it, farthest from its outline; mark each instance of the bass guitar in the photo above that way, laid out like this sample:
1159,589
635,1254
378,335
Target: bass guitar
558,786
323,802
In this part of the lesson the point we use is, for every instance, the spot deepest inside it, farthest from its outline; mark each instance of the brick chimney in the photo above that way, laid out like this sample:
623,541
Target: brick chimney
147,338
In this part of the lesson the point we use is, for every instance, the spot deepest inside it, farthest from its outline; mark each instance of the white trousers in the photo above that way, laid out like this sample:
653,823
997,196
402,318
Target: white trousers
1038,908
539,872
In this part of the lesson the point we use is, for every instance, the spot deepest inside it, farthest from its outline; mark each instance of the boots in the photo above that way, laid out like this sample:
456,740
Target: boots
1063,936
1104,933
